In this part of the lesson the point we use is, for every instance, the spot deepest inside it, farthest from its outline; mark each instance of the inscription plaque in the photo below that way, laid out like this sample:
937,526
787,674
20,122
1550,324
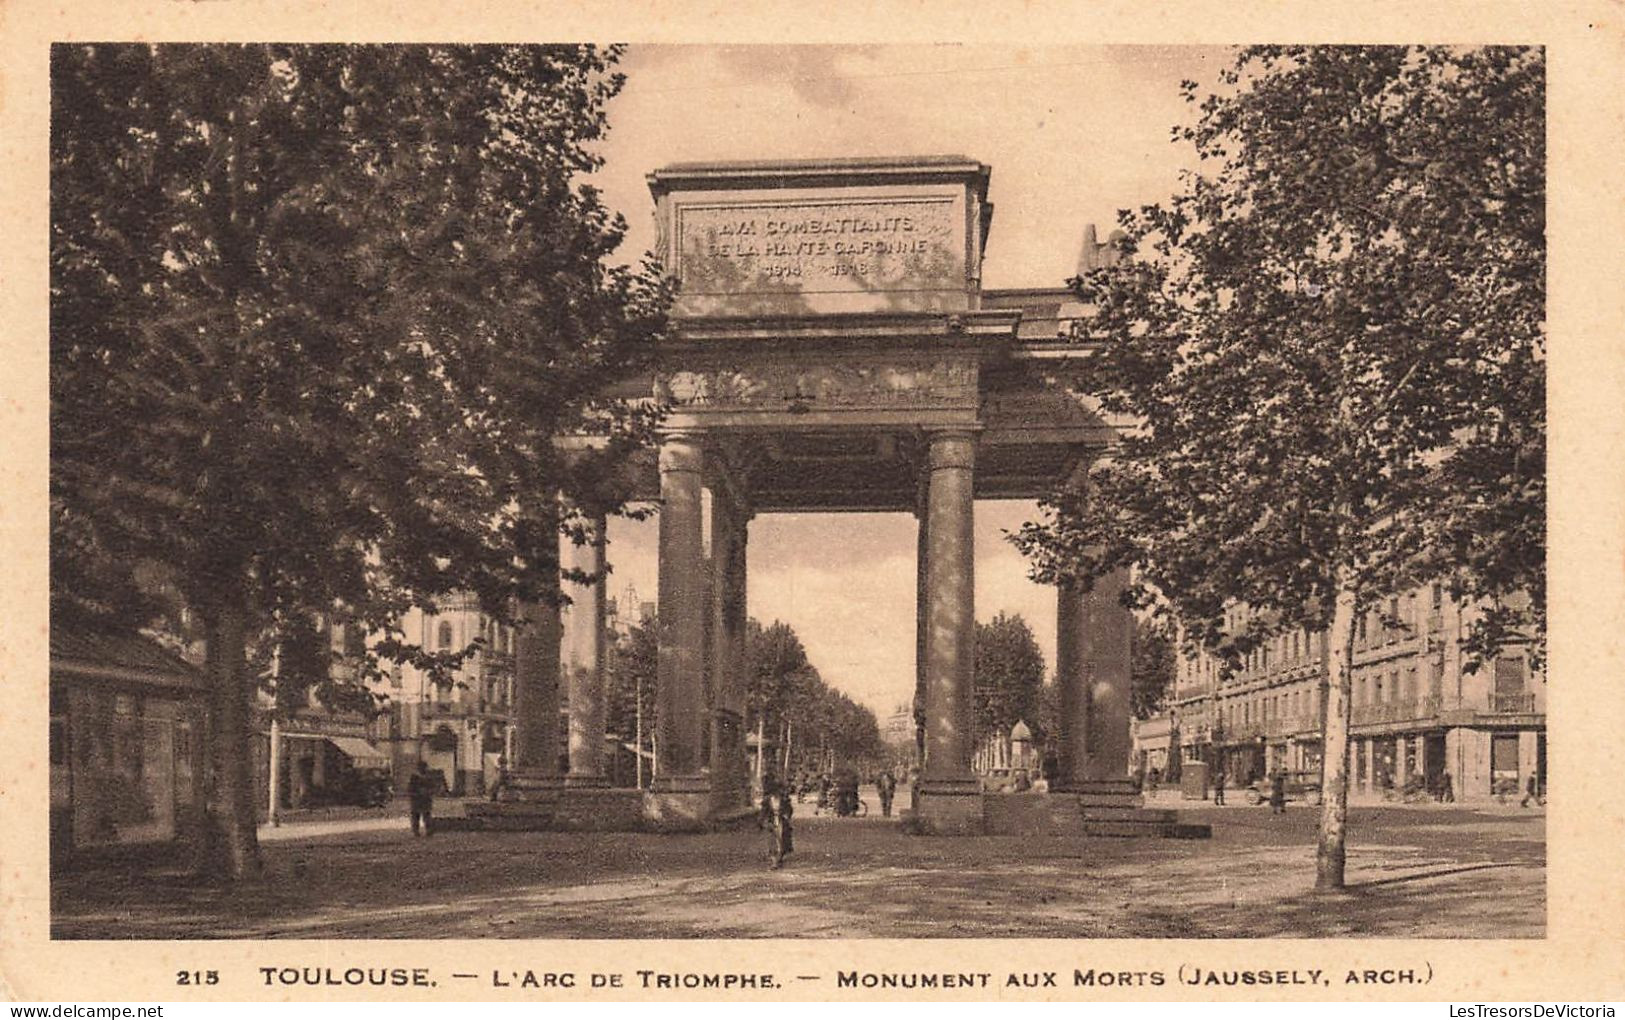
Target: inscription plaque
820,246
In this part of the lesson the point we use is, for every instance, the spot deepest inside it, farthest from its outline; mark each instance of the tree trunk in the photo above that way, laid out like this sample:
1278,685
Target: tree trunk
1334,784
234,849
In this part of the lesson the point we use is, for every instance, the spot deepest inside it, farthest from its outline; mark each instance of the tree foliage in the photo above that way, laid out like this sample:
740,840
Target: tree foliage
1152,670
1329,350
318,315
786,693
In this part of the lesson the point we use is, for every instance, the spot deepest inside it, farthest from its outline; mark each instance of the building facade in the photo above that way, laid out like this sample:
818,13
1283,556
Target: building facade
1422,716
127,766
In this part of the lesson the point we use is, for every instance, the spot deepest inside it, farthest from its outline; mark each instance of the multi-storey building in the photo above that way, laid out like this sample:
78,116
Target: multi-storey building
1421,714
462,729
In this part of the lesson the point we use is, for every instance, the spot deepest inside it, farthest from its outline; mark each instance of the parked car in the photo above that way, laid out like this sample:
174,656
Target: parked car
1304,786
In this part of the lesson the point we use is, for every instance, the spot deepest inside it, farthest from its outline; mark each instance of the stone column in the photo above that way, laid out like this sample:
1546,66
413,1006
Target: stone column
680,669
950,796
584,658
1108,650
922,557
536,692
1073,687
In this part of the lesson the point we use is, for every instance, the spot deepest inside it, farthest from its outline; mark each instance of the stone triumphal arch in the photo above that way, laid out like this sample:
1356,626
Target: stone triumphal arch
833,350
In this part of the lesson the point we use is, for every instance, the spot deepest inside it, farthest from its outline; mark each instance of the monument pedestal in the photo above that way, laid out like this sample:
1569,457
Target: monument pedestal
949,807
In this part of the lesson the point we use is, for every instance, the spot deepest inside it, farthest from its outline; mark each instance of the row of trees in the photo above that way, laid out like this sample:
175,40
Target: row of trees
1009,677
318,313
1331,345
788,704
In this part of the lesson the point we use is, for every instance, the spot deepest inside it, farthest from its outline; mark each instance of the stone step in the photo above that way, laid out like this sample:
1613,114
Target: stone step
1191,830
1129,830
1128,814
1106,786
1107,799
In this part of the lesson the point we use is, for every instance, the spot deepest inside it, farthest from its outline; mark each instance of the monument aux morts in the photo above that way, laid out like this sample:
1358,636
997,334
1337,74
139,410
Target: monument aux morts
833,350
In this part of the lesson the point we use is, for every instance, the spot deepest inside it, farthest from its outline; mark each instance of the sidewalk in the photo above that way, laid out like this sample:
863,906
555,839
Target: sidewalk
317,822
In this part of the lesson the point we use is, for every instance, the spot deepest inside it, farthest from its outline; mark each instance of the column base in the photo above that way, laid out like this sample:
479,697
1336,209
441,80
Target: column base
678,804
523,783
949,807
556,808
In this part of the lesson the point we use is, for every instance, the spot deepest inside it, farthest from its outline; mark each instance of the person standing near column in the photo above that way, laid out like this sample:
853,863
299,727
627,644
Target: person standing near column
420,796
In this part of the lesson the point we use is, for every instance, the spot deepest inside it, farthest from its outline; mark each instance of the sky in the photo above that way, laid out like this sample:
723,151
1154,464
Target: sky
1072,134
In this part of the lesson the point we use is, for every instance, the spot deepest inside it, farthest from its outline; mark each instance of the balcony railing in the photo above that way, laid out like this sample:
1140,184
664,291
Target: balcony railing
1512,704
1395,711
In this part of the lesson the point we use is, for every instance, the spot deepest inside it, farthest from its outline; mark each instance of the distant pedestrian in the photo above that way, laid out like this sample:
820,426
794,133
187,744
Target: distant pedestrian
1278,793
1447,787
1529,793
887,785
420,793
1218,785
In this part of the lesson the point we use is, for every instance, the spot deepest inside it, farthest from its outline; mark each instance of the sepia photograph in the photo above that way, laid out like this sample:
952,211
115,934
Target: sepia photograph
521,515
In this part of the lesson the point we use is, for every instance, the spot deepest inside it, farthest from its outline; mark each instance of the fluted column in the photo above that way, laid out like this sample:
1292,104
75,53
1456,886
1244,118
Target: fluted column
1108,649
950,606
584,655
1073,686
680,718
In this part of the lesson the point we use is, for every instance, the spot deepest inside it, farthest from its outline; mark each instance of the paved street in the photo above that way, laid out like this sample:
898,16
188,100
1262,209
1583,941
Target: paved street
1415,871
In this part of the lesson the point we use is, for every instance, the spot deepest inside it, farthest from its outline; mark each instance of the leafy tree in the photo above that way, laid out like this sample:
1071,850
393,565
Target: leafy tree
1331,352
1152,670
318,315
774,659
1008,673
632,673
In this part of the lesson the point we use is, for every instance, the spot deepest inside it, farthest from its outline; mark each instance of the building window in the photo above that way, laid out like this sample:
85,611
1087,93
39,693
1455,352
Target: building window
1438,596
445,634
1509,675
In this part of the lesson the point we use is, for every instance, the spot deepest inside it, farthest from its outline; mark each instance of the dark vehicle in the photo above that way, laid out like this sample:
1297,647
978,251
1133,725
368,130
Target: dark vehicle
844,795
366,787
1304,786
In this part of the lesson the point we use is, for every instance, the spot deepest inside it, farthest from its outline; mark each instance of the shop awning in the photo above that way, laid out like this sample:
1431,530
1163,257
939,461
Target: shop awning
360,752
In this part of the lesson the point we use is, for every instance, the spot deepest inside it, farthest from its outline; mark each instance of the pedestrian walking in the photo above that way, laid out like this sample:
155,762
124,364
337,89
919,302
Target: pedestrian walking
1218,785
887,785
1278,793
420,794
1447,787
778,808
1529,793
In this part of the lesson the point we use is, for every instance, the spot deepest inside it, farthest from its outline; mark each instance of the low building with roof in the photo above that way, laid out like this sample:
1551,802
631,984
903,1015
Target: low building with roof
127,764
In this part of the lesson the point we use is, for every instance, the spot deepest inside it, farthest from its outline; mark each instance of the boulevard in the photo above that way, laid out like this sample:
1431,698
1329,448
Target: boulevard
1414,872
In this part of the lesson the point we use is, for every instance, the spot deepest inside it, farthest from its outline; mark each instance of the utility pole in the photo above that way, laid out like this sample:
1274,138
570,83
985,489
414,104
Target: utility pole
637,737
274,808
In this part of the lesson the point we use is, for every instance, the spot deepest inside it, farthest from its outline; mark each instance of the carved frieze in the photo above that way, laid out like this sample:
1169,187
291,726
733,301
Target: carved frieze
768,386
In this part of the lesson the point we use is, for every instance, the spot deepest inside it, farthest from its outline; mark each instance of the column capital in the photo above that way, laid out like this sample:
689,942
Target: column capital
682,451
950,448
